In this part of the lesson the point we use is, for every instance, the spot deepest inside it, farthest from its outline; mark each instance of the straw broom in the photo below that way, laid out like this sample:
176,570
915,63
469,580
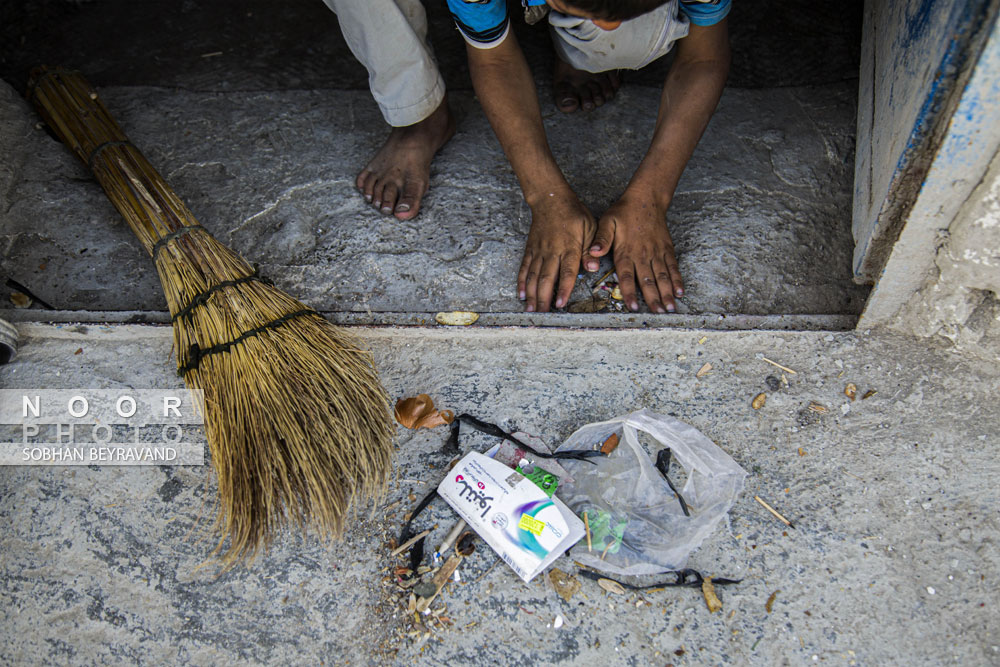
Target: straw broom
297,422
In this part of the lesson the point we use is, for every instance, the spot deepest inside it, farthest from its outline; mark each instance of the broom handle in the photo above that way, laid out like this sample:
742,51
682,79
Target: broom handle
72,109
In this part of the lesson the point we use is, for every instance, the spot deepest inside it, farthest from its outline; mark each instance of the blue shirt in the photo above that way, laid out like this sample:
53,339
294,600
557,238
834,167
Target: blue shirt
484,23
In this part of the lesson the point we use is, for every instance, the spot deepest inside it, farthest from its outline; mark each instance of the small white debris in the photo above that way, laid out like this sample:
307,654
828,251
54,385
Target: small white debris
930,590
845,408
558,623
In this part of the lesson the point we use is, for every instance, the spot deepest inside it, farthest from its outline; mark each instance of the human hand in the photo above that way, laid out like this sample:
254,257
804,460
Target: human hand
561,229
636,228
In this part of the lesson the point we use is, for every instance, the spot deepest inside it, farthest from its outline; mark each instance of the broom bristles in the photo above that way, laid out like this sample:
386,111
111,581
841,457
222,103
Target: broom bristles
297,422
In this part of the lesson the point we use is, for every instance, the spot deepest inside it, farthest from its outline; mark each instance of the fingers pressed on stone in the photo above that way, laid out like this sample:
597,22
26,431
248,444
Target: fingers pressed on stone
626,283
567,279
666,287
675,276
547,284
531,285
522,276
650,290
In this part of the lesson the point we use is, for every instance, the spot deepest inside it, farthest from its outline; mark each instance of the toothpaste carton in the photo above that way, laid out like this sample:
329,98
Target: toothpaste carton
511,513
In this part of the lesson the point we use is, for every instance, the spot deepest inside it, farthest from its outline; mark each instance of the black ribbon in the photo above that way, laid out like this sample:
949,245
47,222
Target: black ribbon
196,353
451,446
687,578
663,465
173,235
203,297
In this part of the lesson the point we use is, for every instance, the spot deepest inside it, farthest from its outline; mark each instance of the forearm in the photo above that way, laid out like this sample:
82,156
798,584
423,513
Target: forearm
506,91
690,95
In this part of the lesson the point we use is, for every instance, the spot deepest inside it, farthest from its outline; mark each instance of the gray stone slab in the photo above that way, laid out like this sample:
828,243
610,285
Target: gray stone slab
892,560
760,219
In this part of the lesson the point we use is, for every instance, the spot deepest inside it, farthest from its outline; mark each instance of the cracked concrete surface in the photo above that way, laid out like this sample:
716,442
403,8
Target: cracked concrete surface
893,559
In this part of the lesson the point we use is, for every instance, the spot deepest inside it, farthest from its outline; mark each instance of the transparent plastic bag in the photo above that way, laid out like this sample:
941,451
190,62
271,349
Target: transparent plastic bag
636,521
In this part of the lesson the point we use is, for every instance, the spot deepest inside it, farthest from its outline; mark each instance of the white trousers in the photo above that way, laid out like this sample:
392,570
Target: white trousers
389,37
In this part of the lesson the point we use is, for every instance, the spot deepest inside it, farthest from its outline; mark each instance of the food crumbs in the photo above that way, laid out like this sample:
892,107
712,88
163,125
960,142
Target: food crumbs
712,600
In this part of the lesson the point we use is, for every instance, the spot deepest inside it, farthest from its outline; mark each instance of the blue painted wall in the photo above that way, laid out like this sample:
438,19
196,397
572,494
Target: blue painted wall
912,54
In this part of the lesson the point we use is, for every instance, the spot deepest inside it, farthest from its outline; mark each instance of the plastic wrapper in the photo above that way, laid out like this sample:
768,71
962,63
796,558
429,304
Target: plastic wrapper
637,522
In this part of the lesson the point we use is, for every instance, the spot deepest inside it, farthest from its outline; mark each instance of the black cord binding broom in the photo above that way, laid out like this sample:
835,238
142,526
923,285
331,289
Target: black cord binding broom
297,422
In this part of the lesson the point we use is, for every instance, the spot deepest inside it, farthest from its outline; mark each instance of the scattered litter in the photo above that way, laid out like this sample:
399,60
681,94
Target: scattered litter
631,540
212,54
410,542
566,585
79,350
20,300
482,489
419,412
712,600
604,277
701,341
775,363
610,445
457,318
802,452
774,512
440,579
591,304
930,590
703,370
611,586
869,394
466,544
851,391
773,383
845,408
758,401
818,407
558,622
452,536
616,294
20,293
770,601
586,525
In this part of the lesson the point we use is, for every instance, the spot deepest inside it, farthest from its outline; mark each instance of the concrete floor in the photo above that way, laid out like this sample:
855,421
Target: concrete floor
893,559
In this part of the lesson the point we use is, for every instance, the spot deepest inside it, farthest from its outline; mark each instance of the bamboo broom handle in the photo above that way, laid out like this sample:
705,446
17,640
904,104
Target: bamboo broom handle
73,110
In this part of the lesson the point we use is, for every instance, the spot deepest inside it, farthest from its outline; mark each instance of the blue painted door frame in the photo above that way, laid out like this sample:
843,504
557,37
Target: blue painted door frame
916,56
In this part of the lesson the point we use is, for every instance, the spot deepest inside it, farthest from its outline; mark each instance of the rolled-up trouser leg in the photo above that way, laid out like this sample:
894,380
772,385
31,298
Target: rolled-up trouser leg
389,37
634,44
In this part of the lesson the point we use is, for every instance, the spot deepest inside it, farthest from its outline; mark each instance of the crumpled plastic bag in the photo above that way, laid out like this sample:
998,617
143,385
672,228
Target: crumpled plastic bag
636,521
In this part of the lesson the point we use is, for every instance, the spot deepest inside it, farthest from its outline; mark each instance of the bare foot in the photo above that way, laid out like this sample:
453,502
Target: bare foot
397,177
576,88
